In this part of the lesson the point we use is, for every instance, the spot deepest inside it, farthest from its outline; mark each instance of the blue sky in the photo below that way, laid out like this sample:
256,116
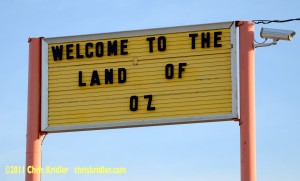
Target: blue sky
206,151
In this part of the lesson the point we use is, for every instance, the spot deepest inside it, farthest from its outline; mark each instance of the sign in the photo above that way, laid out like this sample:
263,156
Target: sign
149,77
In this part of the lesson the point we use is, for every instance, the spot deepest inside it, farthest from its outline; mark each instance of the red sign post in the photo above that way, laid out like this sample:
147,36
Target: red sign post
34,135
247,101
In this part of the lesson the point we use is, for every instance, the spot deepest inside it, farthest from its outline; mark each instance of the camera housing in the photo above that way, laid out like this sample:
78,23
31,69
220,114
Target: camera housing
277,34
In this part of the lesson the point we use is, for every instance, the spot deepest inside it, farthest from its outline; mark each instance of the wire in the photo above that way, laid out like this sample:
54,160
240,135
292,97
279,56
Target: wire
261,42
274,21
44,138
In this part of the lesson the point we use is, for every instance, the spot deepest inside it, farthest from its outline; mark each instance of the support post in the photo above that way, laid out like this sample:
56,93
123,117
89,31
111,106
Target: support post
247,101
34,136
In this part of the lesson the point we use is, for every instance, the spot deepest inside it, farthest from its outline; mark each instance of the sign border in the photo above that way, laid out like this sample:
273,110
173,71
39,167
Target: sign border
140,123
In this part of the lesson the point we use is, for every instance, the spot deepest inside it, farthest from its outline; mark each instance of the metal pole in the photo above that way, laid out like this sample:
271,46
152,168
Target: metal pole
247,101
34,137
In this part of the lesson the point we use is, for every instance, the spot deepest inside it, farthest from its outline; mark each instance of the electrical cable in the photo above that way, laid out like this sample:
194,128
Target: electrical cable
44,138
261,42
274,21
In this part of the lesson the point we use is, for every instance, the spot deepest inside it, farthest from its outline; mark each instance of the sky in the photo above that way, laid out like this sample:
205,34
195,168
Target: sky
202,151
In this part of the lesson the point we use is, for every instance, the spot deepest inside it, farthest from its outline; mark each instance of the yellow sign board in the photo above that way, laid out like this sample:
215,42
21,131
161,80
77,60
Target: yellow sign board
149,77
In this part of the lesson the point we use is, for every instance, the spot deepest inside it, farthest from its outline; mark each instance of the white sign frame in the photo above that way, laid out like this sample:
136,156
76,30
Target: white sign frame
183,120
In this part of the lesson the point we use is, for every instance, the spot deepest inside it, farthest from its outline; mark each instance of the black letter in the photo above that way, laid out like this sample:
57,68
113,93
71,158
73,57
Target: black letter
136,100
109,76
78,55
99,49
205,40
162,43
120,72
193,36
87,53
112,48
57,52
217,38
181,69
171,68
123,46
95,78
69,50
80,83
150,43
149,97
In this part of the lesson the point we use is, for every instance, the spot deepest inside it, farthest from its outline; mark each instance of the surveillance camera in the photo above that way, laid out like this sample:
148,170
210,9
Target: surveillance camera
277,34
